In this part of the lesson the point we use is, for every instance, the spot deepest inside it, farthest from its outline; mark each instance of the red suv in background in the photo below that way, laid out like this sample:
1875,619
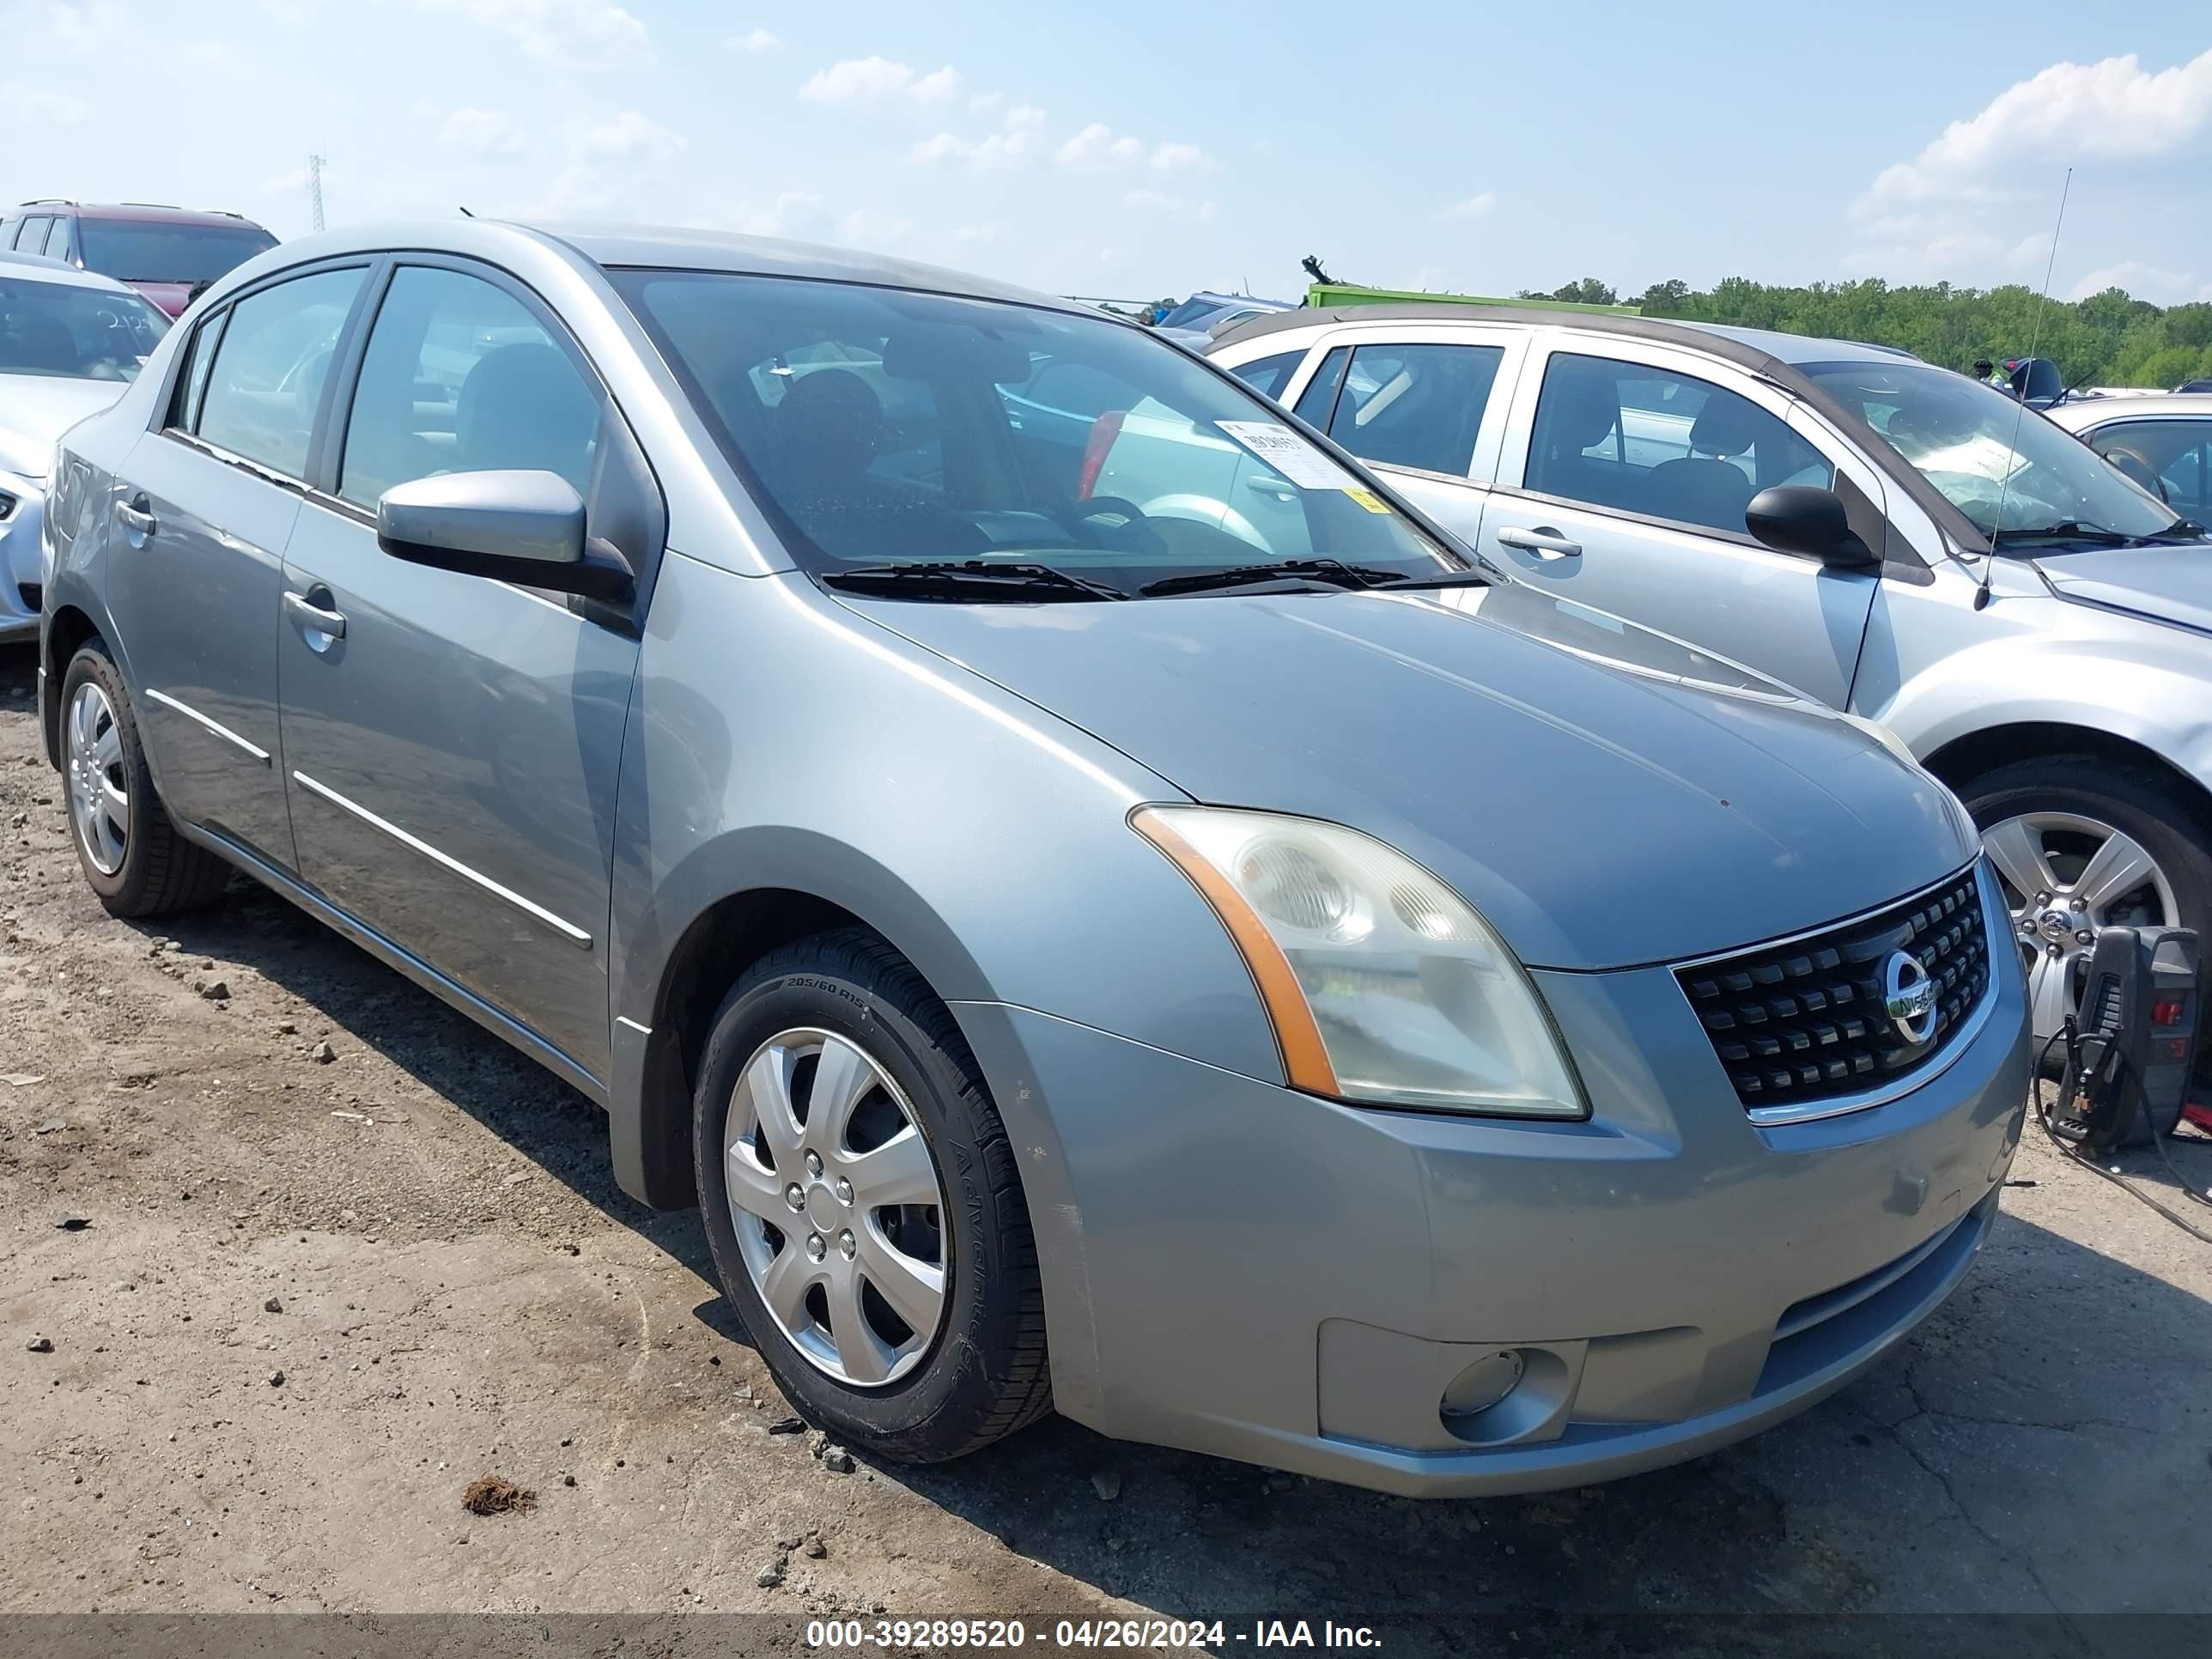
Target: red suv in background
164,252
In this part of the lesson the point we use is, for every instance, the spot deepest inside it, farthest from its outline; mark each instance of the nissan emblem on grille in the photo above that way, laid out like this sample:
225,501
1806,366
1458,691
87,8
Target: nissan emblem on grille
1823,1021
1909,997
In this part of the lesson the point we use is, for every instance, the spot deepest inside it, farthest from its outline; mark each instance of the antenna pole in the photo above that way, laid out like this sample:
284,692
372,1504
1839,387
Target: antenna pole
2011,449
315,188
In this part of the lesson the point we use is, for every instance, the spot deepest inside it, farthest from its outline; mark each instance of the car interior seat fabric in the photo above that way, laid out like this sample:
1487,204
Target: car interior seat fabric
830,424
1578,411
1705,486
46,343
525,407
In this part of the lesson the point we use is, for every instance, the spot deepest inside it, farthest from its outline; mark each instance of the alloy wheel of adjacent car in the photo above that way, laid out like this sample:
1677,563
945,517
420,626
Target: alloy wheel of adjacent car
2065,876
838,1207
99,791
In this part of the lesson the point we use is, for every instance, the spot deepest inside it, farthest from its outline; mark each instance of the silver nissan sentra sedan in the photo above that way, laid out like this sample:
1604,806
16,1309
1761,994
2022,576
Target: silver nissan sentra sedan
1100,902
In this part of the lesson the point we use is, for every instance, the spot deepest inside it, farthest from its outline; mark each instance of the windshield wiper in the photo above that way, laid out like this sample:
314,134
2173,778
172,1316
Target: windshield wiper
2071,529
974,579
1469,578
1334,571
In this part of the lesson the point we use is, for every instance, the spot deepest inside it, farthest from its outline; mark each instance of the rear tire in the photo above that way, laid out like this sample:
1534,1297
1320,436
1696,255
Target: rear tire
133,858
916,1396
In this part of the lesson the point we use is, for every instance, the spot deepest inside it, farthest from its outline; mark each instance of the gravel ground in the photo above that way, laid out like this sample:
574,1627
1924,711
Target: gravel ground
343,1255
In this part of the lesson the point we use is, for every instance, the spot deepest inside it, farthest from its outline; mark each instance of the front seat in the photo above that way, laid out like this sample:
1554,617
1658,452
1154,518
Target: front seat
1580,413
1704,488
525,407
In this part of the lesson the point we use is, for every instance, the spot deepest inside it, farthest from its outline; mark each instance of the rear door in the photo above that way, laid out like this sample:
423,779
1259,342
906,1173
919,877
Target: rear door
452,742
202,509
1624,483
1426,406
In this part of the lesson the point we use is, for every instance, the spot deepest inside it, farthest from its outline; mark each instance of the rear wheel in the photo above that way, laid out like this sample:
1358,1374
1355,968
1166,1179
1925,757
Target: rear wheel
2080,844
131,855
862,1204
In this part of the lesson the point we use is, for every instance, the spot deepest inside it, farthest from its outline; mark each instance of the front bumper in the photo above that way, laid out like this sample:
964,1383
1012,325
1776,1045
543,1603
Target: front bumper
20,575
1238,1269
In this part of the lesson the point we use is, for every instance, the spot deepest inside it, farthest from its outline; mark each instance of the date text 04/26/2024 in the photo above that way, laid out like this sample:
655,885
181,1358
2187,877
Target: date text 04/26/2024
1140,1634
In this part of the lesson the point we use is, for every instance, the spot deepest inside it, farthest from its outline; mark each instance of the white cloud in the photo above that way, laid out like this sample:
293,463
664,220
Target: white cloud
2143,280
937,85
585,32
874,79
52,108
2110,110
1172,158
481,132
1473,207
753,41
629,135
1175,207
1013,143
1096,146
983,102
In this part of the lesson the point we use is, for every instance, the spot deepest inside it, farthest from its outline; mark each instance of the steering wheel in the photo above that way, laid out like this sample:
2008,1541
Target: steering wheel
1084,518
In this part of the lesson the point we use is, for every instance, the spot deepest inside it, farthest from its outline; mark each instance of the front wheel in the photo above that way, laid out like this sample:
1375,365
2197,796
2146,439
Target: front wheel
2082,844
863,1206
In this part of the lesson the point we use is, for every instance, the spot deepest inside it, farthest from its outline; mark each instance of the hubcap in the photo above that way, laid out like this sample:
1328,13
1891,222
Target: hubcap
838,1210
2065,876
99,803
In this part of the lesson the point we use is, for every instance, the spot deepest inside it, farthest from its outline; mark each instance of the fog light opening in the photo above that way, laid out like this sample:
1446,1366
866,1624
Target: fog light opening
1503,1395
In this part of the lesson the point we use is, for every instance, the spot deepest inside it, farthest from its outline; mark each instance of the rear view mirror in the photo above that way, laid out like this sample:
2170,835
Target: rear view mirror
525,527
1798,519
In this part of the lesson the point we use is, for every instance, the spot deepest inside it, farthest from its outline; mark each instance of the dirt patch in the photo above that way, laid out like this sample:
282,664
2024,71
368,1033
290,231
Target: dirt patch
488,1494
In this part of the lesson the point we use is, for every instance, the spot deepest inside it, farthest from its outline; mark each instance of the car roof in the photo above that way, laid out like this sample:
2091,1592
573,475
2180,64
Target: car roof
1754,347
145,212
2077,413
36,267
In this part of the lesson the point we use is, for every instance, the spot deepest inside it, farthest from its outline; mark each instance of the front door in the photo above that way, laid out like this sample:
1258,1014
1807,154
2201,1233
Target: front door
1633,474
202,511
452,742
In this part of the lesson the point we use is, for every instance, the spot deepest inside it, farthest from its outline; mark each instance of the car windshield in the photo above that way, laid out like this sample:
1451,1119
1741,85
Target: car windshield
2009,470
133,251
881,426
74,331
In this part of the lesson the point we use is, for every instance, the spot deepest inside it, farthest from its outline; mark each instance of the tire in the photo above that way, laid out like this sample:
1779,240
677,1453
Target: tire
158,870
2133,799
981,1373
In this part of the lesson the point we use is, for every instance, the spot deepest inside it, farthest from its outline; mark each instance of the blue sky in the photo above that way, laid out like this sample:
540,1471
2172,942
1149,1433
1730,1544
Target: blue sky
1145,150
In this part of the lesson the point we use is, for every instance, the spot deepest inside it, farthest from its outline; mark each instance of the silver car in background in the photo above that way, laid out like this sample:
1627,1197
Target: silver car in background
1827,514
70,342
1257,982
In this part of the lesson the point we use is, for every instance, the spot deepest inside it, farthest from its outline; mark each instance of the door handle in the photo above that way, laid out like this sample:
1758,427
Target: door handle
1543,541
134,517
311,618
1275,487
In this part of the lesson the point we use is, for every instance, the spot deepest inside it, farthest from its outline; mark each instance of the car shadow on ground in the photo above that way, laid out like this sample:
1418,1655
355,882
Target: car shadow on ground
2049,1392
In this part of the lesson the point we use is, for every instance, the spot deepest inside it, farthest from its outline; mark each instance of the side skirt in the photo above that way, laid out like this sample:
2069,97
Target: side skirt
511,1030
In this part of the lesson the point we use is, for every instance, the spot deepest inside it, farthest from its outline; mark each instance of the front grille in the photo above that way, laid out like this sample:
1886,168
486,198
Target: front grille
1806,1021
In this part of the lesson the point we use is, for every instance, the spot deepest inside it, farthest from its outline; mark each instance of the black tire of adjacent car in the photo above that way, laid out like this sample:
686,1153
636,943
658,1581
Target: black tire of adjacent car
2133,799
161,871
986,1374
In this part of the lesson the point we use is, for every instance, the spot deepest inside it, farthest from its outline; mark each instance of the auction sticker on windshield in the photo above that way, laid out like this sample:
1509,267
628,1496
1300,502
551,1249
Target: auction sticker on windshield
1289,454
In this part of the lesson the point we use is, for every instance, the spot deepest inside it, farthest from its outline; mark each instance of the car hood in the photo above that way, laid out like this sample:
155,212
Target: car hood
2166,583
35,409
171,297
1606,796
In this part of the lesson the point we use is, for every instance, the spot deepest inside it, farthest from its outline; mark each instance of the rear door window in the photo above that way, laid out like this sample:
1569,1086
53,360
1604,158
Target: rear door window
1416,405
266,383
1269,375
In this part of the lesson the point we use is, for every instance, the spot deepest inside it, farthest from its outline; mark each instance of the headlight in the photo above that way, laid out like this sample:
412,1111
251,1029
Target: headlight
1384,985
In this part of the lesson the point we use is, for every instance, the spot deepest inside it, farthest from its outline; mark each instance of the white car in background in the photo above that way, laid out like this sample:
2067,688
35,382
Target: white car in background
70,342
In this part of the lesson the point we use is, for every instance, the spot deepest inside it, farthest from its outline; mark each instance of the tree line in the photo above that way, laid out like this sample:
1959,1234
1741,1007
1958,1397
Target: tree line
2107,339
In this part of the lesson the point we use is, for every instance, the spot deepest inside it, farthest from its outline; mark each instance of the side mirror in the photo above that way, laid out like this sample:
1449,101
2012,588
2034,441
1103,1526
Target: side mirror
1798,519
523,527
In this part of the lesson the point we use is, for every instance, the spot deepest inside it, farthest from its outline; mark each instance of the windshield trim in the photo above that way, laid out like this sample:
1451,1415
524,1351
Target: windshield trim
626,278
